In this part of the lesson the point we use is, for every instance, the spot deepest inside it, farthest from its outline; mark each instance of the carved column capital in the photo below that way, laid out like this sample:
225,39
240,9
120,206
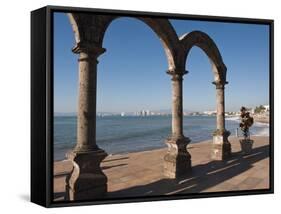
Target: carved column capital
220,85
177,75
87,51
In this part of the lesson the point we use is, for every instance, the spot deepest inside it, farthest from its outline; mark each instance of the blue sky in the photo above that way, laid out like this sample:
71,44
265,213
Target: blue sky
132,72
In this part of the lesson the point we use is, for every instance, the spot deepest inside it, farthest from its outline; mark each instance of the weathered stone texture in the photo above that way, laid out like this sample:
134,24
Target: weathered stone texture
87,180
177,161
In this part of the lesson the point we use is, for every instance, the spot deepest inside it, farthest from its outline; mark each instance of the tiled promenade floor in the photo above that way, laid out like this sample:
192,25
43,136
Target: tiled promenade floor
141,173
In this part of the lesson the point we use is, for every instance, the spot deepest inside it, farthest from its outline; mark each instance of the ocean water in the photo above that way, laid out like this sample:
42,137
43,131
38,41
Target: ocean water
116,134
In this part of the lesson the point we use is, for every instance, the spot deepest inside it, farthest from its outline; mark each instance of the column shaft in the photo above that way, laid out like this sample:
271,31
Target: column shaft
86,124
221,148
177,112
220,109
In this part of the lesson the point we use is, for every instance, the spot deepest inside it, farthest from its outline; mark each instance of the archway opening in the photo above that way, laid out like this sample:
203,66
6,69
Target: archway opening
133,93
199,98
65,80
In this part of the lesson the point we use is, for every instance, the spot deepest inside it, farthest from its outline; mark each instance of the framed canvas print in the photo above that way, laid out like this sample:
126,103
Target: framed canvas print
141,106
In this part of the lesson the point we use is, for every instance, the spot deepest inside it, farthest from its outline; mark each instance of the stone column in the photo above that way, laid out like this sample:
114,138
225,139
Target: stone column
177,161
221,148
86,181
177,113
220,106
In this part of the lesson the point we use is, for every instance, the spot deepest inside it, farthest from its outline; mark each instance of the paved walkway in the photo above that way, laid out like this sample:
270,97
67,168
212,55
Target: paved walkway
140,173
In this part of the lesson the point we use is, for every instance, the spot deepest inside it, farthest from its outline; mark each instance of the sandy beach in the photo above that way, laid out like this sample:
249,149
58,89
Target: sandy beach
140,173
261,118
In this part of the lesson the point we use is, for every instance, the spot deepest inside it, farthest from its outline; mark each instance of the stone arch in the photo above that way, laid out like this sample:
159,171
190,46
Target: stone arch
75,27
90,29
203,41
221,147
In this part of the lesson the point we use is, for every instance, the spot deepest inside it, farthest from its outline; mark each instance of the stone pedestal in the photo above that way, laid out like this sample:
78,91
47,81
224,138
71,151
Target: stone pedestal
177,161
246,146
86,181
221,148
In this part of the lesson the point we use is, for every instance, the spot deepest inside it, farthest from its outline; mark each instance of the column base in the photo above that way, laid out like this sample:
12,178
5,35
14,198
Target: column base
221,147
177,161
86,181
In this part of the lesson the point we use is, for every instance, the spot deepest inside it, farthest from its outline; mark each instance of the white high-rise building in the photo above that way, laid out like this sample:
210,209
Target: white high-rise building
266,107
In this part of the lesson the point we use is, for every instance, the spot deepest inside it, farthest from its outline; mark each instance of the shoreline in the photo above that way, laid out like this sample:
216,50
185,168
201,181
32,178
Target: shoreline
257,118
261,119
143,136
191,145
158,148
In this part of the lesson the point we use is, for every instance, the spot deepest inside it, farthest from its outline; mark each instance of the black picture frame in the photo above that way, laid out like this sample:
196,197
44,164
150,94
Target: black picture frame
42,104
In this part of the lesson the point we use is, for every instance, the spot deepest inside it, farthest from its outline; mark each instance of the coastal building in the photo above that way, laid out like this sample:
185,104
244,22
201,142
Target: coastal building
232,113
144,113
266,108
210,113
